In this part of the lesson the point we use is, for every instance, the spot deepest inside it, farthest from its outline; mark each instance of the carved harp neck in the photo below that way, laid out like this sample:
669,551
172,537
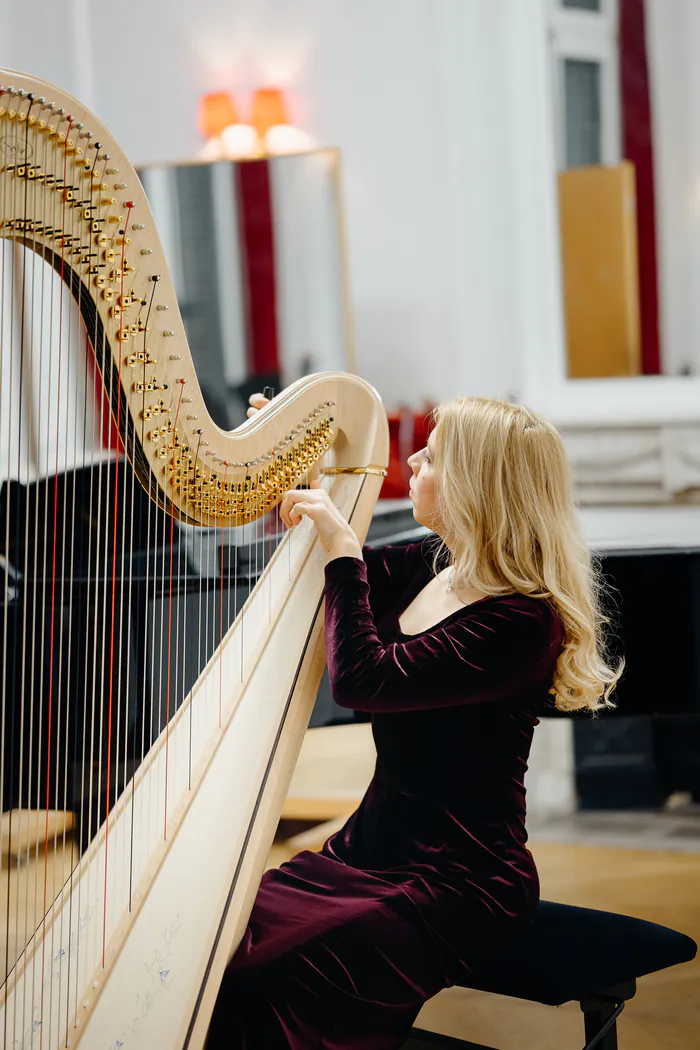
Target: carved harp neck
70,194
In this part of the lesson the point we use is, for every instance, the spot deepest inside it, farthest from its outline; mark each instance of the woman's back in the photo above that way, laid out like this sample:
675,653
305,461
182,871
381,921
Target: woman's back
449,777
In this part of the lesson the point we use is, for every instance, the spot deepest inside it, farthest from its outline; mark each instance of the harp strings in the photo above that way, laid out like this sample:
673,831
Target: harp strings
124,614
5,406
78,342
50,567
146,582
25,308
79,339
17,295
58,566
90,618
169,638
9,645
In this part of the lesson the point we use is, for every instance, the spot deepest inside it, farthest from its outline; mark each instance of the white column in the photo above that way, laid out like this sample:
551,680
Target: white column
500,154
541,340
673,51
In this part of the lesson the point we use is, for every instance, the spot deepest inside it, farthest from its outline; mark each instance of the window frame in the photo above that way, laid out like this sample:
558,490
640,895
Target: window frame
589,36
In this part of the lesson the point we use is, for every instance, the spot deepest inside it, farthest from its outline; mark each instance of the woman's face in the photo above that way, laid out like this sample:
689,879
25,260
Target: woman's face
422,485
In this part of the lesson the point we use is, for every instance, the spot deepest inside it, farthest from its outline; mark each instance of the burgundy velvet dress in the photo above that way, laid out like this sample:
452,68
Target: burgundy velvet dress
344,946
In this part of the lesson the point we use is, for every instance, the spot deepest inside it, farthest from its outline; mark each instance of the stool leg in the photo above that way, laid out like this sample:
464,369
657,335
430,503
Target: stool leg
600,1023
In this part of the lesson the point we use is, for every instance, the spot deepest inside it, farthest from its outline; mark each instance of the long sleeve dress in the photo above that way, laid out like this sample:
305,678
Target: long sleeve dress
344,946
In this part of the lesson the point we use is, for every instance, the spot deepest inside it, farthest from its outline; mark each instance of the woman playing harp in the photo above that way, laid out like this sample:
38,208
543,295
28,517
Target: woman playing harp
454,648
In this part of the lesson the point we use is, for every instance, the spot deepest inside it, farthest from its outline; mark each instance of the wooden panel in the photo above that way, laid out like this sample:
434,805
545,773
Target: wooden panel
333,771
597,208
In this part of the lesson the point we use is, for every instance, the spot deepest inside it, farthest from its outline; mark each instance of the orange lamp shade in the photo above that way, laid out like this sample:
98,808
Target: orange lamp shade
216,112
268,110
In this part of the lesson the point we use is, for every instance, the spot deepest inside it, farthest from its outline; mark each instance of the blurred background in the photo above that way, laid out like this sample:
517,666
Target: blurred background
496,197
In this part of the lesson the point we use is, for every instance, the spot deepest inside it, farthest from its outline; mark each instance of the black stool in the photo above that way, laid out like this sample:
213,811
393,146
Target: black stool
580,955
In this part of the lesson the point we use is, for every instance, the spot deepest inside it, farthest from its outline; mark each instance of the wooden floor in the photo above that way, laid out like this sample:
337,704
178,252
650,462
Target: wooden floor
29,874
664,1015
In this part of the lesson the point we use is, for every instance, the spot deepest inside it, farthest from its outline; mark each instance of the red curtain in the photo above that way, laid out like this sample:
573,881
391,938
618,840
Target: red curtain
637,144
255,217
408,432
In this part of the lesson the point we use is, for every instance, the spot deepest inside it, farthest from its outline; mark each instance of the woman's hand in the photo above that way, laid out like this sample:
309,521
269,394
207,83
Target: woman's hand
259,401
335,533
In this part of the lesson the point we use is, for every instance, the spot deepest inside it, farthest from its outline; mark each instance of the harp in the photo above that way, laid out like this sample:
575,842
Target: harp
160,707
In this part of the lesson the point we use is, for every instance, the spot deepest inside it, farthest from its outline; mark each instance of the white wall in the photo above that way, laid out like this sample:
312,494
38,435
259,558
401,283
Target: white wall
440,108
673,43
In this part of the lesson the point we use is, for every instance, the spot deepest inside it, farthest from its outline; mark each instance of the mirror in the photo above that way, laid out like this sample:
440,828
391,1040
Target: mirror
615,93
624,129
255,250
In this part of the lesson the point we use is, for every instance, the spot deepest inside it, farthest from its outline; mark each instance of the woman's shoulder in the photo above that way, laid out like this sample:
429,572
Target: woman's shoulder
529,603
424,546
403,557
525,613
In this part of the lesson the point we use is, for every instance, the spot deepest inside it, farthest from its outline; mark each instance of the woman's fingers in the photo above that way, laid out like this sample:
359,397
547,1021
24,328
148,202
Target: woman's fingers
298,509
314,497
290,501
314,503
287,504
258,401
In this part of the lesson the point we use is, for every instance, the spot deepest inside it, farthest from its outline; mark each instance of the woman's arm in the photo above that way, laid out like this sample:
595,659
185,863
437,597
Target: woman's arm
390,570
512,643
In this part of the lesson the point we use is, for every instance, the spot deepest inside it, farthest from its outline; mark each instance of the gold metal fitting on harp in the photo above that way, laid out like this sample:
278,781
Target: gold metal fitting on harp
371,469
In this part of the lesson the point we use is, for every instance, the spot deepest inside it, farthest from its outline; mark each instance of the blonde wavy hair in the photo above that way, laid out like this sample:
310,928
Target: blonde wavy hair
504,496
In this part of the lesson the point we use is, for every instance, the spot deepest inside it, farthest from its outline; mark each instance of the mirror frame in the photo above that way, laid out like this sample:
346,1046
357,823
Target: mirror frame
334,155
626,401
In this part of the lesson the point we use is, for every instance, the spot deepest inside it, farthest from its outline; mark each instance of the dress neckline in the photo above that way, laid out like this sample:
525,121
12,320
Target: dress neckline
413,591
445,619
